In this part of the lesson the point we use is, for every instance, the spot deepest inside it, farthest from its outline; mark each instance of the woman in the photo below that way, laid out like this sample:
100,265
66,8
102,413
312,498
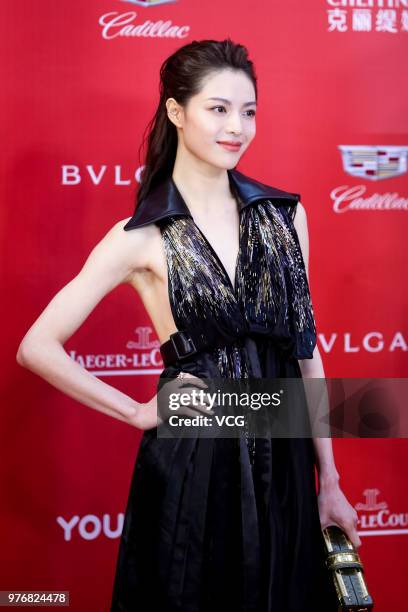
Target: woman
220,263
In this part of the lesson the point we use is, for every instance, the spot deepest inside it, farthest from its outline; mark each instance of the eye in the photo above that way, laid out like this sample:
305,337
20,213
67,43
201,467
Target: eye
252,113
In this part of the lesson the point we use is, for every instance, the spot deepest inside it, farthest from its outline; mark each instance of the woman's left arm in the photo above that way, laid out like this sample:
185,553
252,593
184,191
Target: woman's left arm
334,508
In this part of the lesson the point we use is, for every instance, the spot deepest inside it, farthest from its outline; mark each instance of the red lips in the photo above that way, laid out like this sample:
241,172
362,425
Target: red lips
228,145
232,143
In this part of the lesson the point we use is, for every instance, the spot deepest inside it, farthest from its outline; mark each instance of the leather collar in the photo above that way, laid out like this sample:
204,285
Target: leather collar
165,200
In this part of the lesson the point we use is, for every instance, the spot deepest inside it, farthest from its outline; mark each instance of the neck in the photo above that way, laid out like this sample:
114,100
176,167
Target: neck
204,189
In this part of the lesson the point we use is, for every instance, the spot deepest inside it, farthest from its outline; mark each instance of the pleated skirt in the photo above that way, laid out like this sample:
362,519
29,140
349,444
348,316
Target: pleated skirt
206,530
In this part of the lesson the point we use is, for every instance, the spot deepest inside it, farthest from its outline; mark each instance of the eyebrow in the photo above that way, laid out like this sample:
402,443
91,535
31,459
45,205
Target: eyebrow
229,101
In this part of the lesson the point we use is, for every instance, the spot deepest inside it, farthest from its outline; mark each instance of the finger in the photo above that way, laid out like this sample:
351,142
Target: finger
350,531
199,394
203,405
329,524
204,409
354,537
187,387
198,381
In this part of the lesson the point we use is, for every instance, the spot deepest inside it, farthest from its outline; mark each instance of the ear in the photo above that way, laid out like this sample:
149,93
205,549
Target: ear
174,112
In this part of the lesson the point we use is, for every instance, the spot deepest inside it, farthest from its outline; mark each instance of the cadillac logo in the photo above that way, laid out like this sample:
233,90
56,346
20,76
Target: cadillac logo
374,162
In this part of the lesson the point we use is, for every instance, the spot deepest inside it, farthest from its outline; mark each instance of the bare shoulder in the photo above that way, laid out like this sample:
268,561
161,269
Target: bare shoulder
133,247
300,220
300,223
300,215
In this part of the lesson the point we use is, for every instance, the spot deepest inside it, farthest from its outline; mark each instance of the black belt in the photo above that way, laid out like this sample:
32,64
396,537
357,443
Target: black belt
181,346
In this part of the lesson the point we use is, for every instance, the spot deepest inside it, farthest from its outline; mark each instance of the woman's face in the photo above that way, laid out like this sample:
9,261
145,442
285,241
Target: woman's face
223,111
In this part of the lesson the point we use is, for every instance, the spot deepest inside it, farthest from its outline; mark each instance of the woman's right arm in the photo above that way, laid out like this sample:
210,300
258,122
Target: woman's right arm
111,263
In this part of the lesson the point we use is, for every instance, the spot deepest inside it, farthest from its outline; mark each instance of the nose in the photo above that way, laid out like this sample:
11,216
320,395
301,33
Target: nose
234,124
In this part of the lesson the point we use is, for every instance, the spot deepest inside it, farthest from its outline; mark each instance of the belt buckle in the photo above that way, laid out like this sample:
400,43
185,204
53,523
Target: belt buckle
174,337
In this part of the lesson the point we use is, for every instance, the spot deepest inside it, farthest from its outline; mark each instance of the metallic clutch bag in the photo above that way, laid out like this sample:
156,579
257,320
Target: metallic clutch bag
346,568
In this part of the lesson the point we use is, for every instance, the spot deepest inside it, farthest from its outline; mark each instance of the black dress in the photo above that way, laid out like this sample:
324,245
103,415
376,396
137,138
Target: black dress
228,524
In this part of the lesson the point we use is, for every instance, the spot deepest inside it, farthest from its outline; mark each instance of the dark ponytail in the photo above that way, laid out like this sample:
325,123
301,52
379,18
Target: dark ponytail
181,77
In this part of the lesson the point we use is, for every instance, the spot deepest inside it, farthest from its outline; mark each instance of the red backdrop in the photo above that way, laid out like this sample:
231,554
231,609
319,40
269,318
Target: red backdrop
79,84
